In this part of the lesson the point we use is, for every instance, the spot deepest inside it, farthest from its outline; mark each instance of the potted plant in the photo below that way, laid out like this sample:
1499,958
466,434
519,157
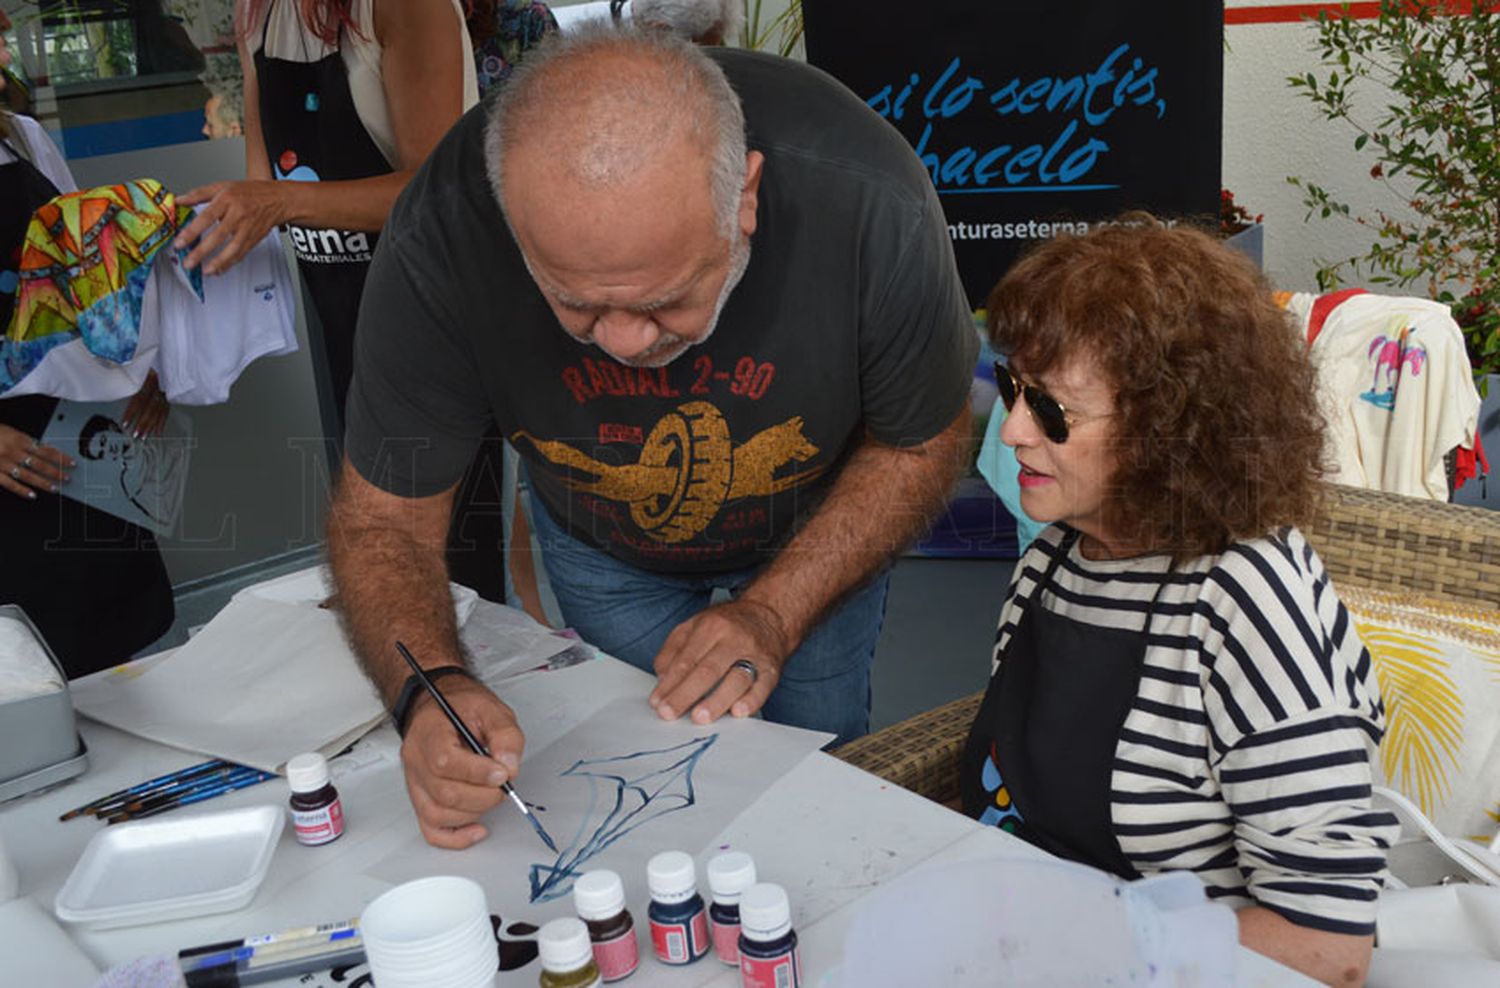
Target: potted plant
1432,141
781,33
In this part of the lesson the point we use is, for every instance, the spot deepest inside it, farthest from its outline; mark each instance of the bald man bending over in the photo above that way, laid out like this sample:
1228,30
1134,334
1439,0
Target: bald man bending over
732,349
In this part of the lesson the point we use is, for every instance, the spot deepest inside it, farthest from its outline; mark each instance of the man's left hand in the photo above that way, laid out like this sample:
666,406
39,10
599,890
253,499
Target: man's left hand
699,668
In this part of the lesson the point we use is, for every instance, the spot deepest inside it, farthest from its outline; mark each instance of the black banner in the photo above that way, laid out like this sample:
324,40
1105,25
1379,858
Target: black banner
1034,117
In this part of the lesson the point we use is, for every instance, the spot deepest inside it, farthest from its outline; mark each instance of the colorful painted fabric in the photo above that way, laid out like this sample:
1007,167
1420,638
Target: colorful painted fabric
83,270
1395,385
502,34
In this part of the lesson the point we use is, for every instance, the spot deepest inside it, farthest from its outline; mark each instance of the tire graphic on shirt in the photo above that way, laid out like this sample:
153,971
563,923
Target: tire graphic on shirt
694,442
689,468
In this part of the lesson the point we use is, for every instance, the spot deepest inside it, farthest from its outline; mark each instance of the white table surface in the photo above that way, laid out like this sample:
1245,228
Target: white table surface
828,832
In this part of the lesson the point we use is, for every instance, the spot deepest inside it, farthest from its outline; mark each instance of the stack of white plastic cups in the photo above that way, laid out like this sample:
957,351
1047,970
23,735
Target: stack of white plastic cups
431,933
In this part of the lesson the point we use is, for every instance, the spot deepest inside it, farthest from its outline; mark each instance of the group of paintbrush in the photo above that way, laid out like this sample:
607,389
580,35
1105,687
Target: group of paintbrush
167,792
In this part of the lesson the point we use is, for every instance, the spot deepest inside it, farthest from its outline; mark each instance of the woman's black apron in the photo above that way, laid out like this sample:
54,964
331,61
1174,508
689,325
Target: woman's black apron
313,133
94,585
1040,756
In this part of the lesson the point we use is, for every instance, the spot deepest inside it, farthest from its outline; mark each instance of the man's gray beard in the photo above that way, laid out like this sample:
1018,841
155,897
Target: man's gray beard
671,346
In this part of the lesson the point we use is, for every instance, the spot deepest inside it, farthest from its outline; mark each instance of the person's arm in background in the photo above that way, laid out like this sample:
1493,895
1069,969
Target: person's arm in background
146,413
386,553
257,164
423,53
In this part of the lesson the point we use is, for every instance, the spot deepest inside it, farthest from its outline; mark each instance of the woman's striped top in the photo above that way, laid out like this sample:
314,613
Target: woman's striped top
1246,755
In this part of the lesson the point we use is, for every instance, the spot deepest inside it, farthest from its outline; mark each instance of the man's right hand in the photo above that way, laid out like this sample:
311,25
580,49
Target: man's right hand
450,786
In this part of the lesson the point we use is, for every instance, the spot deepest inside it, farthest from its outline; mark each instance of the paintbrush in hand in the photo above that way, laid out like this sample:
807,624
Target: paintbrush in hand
473,742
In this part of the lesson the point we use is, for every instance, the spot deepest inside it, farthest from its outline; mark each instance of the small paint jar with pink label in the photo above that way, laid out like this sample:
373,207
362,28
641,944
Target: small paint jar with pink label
599,900
729,875
769,957
317,814
679,923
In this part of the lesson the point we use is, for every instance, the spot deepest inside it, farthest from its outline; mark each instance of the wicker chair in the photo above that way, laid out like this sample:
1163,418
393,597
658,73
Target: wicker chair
1366,538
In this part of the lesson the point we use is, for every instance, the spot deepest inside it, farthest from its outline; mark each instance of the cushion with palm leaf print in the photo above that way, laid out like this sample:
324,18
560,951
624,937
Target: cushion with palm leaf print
1438,665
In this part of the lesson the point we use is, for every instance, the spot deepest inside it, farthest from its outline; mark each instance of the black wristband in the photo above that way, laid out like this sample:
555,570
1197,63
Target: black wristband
413,688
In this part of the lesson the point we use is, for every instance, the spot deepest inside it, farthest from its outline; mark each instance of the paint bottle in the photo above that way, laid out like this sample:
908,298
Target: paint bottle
679,925
729,875
768,945
567,958
317,814
599,898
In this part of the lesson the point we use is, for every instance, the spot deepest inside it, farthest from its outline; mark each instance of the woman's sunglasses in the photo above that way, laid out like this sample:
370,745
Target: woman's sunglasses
1048,412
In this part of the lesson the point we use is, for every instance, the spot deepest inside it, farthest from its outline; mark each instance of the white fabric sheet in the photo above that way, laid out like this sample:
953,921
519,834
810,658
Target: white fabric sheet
262,681
246,313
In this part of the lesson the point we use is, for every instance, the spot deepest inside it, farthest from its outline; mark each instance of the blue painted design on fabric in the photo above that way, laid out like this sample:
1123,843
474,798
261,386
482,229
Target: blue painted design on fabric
18,359
110,328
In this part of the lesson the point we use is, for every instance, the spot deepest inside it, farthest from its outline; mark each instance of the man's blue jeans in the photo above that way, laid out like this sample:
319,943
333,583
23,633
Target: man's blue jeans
629,612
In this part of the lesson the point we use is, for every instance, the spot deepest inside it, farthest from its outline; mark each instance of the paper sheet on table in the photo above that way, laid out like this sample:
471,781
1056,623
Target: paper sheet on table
620,787
34,950
314,585
503,641
262,681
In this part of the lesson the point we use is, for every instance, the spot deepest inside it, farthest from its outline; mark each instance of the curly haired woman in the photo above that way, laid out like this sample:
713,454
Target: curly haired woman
1176,685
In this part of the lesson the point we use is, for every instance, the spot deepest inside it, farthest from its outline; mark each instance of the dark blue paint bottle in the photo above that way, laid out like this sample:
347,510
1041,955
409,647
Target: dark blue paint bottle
769,957
679,925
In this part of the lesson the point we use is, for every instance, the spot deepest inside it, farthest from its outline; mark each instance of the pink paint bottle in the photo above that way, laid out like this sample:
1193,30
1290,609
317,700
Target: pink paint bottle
599,899
769,957
317,814
729,875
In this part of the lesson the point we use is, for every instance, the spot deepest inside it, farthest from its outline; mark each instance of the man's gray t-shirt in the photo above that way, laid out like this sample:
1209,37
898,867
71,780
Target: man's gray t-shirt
850,317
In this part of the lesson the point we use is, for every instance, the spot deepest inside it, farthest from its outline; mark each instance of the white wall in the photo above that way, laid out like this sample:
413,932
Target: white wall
1271,132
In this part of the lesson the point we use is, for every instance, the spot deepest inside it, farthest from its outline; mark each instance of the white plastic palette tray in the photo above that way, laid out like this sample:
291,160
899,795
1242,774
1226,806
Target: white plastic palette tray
150,872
